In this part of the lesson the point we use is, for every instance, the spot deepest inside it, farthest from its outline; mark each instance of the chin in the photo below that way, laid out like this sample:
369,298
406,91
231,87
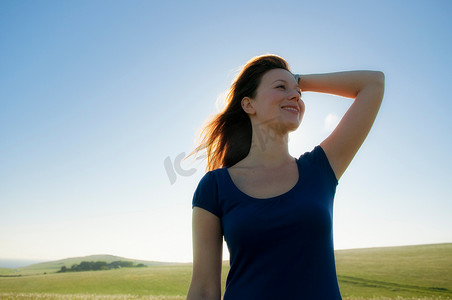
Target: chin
291,126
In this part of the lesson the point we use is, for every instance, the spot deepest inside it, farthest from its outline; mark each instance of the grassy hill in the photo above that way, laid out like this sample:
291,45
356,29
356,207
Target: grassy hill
54,266
410,272
424,270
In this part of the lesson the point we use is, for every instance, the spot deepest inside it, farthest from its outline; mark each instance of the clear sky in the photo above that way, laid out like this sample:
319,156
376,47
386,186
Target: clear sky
95,96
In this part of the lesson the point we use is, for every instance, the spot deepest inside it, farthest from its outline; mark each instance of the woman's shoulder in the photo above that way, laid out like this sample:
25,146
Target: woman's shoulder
316,159
212,177
206,193
315,154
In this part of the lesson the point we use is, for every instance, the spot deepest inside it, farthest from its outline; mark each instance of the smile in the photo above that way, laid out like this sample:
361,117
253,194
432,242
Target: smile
291,108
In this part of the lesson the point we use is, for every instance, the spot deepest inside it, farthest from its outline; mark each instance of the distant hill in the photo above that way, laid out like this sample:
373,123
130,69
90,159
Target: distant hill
54,266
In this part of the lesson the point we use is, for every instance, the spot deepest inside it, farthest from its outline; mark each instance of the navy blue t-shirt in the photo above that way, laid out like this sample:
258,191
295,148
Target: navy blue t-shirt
280,247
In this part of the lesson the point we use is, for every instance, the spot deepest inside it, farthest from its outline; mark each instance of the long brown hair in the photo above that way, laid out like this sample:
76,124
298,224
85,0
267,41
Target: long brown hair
227,138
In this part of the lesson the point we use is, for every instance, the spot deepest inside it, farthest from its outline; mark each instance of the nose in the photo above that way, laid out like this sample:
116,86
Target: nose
295,95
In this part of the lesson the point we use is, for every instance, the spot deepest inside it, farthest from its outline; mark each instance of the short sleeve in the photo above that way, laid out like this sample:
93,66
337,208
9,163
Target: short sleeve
324,163
318,157
206,194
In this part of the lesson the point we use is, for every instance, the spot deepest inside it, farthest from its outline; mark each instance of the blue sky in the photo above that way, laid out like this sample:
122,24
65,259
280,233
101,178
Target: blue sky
95,95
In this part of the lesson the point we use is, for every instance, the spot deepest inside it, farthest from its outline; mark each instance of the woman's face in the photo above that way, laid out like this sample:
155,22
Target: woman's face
278,101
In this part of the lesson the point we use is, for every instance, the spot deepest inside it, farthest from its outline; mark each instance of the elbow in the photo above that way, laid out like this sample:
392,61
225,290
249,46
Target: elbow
203,293
377,84
381,83
374,86
379,78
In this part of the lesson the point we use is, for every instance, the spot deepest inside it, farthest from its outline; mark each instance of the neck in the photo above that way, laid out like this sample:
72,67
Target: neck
269,148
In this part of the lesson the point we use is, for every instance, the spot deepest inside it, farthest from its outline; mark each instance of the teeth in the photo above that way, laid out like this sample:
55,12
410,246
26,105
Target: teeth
290,108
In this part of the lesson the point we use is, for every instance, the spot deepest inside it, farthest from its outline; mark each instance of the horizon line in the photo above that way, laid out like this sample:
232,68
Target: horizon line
38,261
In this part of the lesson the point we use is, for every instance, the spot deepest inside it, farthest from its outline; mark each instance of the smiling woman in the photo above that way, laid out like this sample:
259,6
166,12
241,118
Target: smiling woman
274,211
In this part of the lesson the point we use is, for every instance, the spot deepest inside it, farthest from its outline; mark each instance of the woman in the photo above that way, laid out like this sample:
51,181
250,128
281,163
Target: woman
274,210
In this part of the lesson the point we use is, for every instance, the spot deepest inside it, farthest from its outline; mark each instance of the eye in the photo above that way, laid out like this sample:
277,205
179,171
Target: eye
281,87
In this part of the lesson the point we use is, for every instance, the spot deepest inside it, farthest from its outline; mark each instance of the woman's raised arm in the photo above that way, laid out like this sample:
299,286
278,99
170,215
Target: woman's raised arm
207,256
367,88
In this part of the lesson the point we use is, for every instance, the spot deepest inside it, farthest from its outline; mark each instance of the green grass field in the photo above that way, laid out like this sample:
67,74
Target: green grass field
411,272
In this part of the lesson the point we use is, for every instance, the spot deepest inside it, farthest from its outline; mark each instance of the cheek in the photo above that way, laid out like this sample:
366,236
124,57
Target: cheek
302,107
269,108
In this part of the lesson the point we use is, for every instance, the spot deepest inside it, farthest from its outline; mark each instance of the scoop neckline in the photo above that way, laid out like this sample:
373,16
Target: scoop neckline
228,175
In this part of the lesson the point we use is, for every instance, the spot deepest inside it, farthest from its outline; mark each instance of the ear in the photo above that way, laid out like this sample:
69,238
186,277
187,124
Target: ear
248,105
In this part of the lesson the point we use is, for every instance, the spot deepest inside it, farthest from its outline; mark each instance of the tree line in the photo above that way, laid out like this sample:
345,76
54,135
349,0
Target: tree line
99,265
